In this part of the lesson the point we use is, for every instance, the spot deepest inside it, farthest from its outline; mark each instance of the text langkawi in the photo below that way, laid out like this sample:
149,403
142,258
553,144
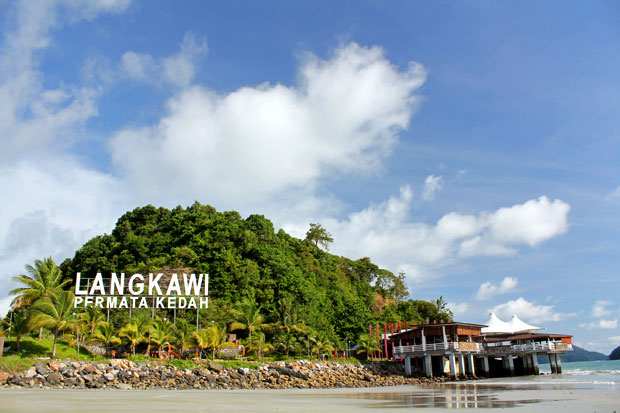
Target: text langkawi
185,291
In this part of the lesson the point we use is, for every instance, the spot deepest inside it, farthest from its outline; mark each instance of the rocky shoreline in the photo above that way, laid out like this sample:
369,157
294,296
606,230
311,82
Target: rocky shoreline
125,374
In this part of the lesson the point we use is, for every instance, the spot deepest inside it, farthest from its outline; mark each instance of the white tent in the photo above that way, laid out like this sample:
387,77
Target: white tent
519,325
496,326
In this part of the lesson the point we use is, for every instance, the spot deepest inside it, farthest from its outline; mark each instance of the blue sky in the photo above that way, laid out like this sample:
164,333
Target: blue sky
473,145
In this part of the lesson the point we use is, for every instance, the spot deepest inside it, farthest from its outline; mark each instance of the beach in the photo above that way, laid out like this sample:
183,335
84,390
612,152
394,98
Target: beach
537,394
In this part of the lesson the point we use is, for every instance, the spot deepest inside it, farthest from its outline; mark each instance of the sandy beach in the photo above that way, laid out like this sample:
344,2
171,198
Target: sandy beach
489,396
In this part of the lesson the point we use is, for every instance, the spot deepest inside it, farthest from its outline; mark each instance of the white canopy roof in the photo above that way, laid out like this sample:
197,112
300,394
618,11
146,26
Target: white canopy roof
496,326
519,325
516,325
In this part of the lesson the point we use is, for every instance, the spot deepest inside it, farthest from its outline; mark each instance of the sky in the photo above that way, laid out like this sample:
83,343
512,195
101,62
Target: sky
473,145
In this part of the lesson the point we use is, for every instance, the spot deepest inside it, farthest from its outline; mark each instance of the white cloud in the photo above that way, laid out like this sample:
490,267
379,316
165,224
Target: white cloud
599,309
615,340
529,312
55,112
259,142
432,185
604,324
488,289
177,70
386,233
458,308
615,194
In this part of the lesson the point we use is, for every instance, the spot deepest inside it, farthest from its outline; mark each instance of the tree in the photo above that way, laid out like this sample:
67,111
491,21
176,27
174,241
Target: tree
20,326
211,337
286,342
288,318
247,316
106,334
43,279
132,335
182,334
369,344
319,235
162,332
92,317
442,308
54,312
200,339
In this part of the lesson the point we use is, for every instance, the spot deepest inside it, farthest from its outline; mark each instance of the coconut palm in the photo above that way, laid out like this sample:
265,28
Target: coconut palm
54,312
368,344
106,333
258,345
92,317
132,335
162,332
200,339
19,326
182,334
43,279
286,342
247,316
288,318
322,344
216,337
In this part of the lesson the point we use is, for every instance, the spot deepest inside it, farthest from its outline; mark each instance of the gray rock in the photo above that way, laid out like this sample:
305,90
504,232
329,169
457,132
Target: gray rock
30,373
109,376
41,369
54,378
216,367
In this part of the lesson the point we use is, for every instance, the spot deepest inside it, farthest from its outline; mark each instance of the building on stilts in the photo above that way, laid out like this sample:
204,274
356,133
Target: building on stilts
495,349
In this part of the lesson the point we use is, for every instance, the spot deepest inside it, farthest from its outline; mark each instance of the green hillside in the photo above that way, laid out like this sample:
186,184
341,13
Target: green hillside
578,354
327,294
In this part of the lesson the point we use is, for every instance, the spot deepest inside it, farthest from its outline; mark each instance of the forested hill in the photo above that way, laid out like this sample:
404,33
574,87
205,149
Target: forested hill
247,258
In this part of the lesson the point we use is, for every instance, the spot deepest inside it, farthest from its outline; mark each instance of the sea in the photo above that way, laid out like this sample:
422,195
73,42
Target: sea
600,373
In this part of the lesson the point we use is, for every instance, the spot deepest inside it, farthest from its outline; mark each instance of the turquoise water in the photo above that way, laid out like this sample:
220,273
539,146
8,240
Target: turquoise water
603,374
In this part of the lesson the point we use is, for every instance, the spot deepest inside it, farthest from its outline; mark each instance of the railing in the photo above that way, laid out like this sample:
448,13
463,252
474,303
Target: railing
477,348
418,348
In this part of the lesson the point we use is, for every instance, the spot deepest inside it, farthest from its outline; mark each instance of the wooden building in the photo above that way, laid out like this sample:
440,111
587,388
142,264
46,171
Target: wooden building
456,348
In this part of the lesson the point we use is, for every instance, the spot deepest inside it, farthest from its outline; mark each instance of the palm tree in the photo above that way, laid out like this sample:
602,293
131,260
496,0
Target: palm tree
200,339
162,332
132,335
288,318
43,279
182,334
20,326
287,342
247,316
216,336
368,344
54,312
322,344
259,345
106,334
92,317
143,322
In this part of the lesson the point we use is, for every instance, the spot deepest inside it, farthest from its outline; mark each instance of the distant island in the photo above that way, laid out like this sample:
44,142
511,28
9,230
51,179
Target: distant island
615,355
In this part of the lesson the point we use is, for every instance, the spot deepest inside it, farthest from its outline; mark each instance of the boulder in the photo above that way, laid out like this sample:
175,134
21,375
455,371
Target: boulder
54,378
216,367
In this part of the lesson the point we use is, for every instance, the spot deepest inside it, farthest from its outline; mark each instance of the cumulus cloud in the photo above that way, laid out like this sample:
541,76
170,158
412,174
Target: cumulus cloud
604,324
599,309
615,194
488,289
529,312
458,308
177,70
55,112
386,232
432,185
343,116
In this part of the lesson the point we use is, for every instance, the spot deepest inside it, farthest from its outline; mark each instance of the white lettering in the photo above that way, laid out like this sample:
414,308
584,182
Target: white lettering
97,285
192,303
88,301
182,302
112,302
204,302
117,285
77,285
172,302
154,283
123,303
192,286
99,302
143,303
159,302
77,301
174,285
140,285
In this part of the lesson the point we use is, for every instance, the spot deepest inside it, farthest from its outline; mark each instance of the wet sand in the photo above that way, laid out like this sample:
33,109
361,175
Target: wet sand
439,398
